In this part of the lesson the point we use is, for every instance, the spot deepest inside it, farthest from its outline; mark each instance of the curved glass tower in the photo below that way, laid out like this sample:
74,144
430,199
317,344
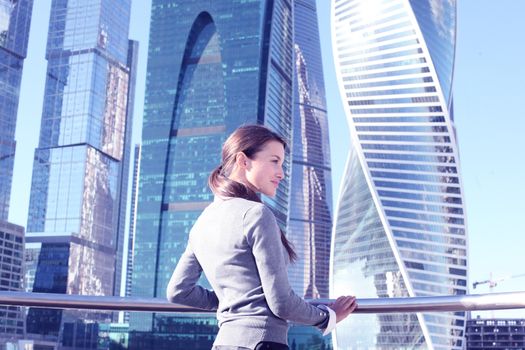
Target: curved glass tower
400,228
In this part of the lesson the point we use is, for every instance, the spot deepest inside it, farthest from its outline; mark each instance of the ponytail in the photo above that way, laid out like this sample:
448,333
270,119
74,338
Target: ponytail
222,186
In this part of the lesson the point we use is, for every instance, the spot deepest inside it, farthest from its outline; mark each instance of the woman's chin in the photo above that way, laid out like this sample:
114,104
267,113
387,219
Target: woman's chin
269,193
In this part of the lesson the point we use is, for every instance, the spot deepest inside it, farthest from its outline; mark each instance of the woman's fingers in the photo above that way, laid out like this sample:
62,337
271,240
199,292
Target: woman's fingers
344,306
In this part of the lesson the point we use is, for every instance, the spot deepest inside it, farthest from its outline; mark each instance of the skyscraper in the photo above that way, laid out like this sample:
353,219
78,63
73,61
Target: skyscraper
495,334
11,279
132,223
132,60
212,66
15,17
76,204
400,226
310,211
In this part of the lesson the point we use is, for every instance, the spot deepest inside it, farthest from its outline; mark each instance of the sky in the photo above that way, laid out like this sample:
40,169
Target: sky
489,90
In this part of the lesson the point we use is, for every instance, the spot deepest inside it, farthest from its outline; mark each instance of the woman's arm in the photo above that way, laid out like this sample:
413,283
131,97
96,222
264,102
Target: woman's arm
183,288
263,235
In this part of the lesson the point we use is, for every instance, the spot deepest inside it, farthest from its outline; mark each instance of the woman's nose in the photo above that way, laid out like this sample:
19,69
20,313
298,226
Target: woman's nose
280,173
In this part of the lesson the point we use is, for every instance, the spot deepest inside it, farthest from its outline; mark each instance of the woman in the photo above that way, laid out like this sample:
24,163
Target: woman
237,243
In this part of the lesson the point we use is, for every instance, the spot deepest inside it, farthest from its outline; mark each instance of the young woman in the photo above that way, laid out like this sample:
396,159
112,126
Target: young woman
237,243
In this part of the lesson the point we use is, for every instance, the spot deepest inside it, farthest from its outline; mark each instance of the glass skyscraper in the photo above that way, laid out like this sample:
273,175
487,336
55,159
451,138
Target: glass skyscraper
310,209
400,226
78,191
213,66
11,279
15,17
310,212
132,223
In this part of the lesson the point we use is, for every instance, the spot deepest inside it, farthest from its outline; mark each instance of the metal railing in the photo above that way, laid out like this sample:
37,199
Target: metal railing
495,301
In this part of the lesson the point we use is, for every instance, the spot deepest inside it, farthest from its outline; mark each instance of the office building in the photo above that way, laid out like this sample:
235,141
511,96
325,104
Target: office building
497,334
132,223
212,66
310,210
15,18
11,279
79,184
400,227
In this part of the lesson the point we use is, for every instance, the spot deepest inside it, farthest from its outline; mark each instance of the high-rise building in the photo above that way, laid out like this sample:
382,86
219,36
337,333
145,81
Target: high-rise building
495,333
132,60
78,190
212,66
310,210
15,18
11,279
400,228
132,223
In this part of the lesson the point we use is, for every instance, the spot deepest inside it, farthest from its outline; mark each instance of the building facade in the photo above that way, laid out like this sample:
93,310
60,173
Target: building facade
11,279
132,223
497,334
233,63
78,191
310,210
400,228
15,18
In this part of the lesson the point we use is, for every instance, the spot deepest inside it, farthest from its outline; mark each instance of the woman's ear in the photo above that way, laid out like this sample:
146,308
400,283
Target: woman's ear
241,160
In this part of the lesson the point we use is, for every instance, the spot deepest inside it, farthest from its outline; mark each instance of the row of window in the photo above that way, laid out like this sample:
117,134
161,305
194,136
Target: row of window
438,228
397,53
439,179
443,238
402,128
410,157
350,6
434,248
5,236
397,62
410,91
413,108
410,148
423,207
405,138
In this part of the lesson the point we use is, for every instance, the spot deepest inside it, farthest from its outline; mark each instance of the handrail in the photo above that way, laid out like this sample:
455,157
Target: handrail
494,301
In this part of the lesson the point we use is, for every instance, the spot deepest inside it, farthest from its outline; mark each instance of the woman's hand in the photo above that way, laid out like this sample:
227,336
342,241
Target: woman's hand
343,306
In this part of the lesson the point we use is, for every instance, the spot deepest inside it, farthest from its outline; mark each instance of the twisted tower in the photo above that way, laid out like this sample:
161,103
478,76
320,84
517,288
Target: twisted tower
400,229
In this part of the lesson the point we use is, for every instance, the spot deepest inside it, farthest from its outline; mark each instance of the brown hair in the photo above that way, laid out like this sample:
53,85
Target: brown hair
248,139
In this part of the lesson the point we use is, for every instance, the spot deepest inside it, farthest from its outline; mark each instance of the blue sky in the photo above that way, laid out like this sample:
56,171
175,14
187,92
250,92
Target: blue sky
489,90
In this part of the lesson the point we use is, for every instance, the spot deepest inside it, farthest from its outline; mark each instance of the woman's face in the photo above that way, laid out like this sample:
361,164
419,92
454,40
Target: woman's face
265,170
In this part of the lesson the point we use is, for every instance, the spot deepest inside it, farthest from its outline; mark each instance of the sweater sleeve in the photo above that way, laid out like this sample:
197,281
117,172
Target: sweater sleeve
183,288
264,237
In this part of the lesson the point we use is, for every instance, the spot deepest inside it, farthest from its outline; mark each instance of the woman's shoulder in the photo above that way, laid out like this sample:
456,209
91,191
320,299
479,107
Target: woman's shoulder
238,203
242,208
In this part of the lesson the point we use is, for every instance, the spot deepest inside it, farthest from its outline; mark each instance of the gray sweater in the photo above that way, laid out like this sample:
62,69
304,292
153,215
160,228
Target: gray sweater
237,244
